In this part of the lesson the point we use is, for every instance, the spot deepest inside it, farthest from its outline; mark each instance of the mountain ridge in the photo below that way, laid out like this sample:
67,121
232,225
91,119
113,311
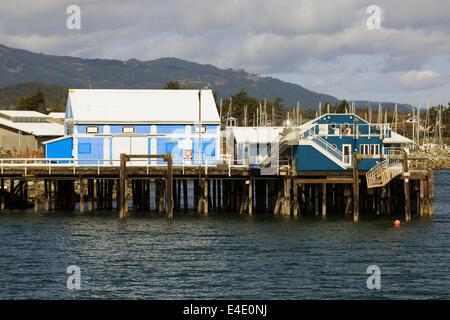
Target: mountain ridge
22,66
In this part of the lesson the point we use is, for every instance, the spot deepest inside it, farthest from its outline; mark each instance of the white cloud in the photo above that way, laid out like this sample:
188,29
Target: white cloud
421,79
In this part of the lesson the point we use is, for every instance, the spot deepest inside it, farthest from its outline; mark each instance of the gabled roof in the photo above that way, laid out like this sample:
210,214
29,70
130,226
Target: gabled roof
342,115
23,113
142,106
57,115
397,138
49,129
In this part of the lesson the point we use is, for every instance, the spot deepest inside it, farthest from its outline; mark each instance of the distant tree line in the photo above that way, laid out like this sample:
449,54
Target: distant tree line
37,102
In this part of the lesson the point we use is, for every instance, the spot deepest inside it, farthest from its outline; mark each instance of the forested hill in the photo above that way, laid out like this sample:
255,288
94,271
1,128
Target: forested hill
18,66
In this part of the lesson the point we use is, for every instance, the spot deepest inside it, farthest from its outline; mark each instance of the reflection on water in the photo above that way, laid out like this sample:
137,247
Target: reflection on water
224,256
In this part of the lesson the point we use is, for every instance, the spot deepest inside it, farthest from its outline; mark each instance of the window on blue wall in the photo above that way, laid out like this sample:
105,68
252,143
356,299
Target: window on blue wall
375,149
363,149
84,148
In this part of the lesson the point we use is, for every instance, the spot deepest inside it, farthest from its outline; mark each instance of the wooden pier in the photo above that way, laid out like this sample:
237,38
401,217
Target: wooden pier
219,188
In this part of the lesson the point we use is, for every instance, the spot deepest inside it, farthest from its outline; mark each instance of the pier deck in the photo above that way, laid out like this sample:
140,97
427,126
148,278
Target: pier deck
54,185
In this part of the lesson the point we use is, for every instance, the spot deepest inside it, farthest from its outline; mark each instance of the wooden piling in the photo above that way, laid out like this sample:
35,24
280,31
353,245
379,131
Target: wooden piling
81,194
295,208
406,187
250,195
205,197
36,195
2,194
355,188
123,201
46,195
430,184
324,200
185,196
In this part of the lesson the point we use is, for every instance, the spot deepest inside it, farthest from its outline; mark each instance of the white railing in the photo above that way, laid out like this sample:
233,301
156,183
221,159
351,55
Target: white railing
51,163
383,172
393,150
337,154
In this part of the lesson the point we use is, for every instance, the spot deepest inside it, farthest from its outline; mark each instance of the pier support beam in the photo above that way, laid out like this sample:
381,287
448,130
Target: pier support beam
81,195
324,200
2,194
355,188
250,196
406,187
430,184
36,195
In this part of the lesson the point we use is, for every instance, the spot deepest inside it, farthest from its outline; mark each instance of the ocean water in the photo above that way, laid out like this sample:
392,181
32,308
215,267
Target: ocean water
225,255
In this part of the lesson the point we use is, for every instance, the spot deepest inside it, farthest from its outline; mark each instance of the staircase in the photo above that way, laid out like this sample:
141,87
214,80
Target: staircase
383,172
323,146
272,156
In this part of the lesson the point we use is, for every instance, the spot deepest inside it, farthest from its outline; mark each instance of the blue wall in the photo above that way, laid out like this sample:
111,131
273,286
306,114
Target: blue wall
209,151
308,158
90,148
59,149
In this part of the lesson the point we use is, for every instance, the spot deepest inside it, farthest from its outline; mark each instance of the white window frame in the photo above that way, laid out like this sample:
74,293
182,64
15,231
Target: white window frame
364,149
196,129
375,150
89,128
125,129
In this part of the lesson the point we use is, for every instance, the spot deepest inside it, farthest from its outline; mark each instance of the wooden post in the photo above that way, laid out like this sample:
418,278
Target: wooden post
169,204
250,196
406,187
316,199
2,194
324,200
98,194
296,206
81,195
185,195
355,188
214,189
123,159
46,195
162,193
219,195
277,207
53,194
205,197
422,196
118,205
430,193
36,195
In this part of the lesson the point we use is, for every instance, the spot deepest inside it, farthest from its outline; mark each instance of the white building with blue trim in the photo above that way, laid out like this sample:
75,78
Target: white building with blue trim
100,124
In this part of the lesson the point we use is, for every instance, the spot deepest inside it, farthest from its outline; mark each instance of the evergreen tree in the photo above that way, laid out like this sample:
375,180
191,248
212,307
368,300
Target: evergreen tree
172,85
34,102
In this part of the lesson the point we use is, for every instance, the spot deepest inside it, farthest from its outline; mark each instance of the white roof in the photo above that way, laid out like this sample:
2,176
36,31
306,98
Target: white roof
57,115
35,128
256,134
24,113
142,106
397,138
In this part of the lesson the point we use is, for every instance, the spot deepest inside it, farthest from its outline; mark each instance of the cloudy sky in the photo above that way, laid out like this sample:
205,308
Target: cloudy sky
325,46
